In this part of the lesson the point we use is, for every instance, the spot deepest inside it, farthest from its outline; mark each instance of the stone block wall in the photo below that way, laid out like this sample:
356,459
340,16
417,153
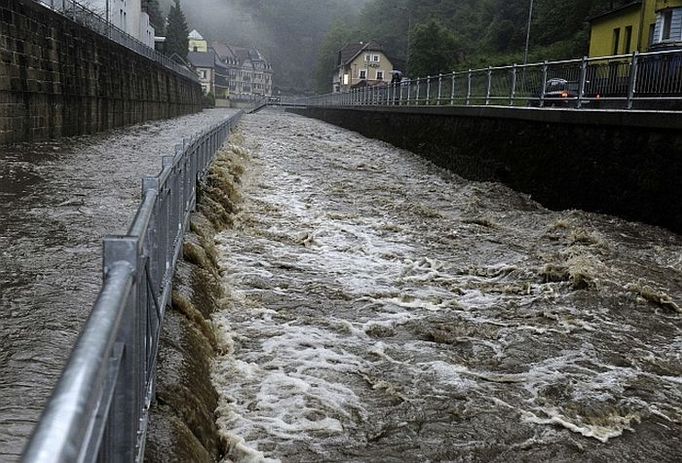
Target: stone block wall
622,163
58,78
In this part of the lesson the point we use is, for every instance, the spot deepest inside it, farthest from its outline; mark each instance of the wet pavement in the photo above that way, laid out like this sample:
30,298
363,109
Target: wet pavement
59,199
382,309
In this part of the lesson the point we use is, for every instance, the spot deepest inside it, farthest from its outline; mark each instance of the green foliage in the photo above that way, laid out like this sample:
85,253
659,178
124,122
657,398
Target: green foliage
433,49
177,33
208,100
151,7
340,34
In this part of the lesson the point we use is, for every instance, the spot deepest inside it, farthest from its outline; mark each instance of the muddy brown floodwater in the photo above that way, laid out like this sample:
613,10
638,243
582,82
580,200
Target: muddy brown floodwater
57,201
381,309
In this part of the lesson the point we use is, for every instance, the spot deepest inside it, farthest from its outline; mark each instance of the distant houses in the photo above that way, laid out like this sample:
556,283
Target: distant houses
361,64
228,72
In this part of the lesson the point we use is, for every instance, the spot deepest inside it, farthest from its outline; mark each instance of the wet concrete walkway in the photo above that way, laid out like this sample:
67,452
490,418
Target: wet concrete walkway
57,201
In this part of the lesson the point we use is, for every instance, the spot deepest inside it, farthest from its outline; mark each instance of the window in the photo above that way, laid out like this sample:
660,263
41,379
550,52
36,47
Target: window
628,39
376,58
202,74
345,79
363,74
380,75
616,40
652,32
667,24
196,48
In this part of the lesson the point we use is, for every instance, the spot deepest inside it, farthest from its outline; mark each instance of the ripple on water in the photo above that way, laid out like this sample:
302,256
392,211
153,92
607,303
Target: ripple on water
381,309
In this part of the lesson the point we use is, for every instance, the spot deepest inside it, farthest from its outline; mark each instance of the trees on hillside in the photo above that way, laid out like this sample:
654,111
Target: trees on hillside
151,7
433,49
447,34
177,33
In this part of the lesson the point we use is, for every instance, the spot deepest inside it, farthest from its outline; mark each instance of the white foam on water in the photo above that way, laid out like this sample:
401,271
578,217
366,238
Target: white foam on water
618,424
340,286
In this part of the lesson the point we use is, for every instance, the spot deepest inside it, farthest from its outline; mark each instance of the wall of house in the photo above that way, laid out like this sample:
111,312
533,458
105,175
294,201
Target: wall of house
58,78
623,163
676,24
602,37
359,63
198,45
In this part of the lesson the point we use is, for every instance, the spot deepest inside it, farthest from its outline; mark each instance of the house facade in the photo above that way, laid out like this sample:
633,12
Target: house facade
638,26
361,64
126,15
249,72
212,72
229,72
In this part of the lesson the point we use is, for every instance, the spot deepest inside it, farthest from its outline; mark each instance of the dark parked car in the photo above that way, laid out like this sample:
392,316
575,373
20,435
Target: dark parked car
564,93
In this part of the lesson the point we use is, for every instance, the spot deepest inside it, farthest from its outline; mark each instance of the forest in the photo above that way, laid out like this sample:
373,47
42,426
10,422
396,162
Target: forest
301,38
425,37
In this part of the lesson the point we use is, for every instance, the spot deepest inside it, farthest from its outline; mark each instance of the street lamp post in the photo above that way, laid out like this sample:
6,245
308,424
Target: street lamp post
530,18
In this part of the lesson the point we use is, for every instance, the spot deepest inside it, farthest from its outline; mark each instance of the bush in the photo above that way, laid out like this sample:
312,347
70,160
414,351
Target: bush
209,100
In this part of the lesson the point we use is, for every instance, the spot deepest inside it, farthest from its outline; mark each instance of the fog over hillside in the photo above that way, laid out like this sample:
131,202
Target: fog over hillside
288,32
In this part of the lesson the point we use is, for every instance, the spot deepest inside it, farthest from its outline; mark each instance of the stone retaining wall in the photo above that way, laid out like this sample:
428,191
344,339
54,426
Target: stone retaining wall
58,78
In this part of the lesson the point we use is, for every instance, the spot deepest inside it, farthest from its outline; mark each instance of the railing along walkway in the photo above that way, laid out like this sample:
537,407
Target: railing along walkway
100,406
638,81
88,18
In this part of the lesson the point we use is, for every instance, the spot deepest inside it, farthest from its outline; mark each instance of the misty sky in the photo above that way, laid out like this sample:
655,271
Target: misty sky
288,32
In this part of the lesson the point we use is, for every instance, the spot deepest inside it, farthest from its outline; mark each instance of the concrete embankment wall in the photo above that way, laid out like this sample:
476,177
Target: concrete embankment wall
183,418
623,163
58,78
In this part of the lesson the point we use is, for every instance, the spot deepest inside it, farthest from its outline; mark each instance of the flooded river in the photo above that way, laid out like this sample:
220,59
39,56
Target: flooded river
58,200
381,309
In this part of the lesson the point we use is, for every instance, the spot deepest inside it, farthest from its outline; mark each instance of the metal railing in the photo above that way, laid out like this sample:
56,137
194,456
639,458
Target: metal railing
100,406
639,80
93,21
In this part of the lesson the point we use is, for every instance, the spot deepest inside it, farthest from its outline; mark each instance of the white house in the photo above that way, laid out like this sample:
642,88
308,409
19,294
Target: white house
126,15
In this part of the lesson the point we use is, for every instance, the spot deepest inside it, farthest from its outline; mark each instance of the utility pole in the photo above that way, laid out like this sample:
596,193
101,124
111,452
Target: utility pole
530,18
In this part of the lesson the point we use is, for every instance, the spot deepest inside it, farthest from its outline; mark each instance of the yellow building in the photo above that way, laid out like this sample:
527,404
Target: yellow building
197,42
637,26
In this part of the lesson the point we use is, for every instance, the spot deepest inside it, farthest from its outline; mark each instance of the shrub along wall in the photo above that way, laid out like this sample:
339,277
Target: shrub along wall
58,78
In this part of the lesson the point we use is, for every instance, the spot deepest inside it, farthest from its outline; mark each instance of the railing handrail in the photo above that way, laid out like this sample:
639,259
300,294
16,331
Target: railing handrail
598,80
99,408
114,33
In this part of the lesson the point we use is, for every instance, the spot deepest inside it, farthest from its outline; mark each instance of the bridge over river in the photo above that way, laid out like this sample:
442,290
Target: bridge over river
378,308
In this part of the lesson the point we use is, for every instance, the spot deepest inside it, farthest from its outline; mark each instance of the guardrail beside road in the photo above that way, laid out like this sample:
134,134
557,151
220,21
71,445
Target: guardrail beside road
650,80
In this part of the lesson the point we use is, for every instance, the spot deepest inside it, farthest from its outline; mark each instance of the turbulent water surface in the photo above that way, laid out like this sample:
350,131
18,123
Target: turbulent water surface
382,309
57,201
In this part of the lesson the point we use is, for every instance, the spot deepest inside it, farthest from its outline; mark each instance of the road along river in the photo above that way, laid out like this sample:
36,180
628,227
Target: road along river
382,309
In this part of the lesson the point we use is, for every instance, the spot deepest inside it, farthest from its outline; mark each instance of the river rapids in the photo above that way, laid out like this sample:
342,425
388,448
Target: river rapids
381,309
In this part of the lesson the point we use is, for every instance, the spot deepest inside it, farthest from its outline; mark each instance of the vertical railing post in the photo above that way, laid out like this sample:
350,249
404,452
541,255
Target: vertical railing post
543,88
418,97
124,415
440,88
468,99
512,96
583,78
428,90
489,86
452,91
409,90
632,84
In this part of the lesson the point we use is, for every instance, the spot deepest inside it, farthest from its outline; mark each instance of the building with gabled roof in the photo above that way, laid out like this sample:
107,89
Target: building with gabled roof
361,64
250,73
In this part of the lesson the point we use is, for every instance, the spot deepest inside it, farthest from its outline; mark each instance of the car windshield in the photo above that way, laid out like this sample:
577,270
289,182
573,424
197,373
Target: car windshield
560,85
